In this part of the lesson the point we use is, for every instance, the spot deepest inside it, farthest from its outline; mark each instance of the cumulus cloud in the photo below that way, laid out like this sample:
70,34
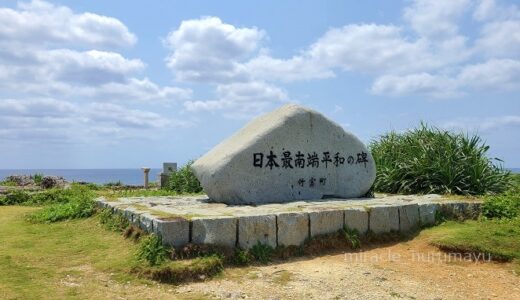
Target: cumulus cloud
495,74
54,62
241,100
208,50
435,18
500,39
428,55
37,119
419,83
41,22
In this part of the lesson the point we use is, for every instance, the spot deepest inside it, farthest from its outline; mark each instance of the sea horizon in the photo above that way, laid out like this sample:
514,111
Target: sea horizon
127,176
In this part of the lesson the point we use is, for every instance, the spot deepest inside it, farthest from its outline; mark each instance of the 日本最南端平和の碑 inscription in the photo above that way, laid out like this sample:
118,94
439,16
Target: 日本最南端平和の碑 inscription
312,160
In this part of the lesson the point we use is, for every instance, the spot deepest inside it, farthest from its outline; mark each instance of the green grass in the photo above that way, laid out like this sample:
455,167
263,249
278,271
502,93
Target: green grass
35,257
498,238
114,194
496,233
429,160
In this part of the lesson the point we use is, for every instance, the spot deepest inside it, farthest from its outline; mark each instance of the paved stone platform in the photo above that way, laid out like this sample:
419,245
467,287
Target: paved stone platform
195,219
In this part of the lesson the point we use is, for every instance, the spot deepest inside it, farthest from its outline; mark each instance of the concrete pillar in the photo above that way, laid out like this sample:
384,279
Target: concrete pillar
168,169
146,172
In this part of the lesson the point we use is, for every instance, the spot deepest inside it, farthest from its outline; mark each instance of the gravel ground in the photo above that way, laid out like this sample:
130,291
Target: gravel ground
411,270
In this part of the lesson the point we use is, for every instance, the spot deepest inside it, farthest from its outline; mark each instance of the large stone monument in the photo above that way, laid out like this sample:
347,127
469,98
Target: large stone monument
293,153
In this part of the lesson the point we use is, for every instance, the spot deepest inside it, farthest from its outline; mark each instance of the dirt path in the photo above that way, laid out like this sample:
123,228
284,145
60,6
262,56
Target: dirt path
399,271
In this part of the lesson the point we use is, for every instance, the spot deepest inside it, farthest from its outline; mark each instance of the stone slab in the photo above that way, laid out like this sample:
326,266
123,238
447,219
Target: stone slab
384,219
215,231
427,213
256,229
323,222
174,233
293,228
259,223
146,222
357,218
293,153
409,219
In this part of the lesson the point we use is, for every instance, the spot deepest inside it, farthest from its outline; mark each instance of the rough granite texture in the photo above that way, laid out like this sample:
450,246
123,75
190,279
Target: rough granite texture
174,233
323,222
255,229
409,217
215,231
357,218
293,228
427,213
384,219
293,153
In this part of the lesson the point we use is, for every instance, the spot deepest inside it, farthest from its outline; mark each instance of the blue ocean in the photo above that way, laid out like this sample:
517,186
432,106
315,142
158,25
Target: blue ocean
99,176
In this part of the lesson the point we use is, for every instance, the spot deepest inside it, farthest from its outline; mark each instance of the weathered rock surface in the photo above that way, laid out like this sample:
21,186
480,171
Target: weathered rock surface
409,219
215,231
357,218
256,229
384,219
324,222
175,232
293,228
292,153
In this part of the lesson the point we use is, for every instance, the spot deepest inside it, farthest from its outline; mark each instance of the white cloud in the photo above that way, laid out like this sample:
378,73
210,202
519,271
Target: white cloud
489,10
53,62
495,74
369,48
44,119
419,83
500,39
241,100
209,50
435,18
482,125
134,89
124,117
40,22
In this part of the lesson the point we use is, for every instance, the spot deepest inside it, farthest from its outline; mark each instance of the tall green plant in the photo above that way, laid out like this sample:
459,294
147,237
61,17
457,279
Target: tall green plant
430,160
184,180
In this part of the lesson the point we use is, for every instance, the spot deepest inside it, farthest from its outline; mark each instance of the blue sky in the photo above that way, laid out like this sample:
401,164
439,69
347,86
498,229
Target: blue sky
116,84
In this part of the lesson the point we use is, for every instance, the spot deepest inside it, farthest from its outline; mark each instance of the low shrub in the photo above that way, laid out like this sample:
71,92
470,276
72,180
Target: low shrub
38,178
114,222
152,251
8,183
430,160
352,236
504,206
15,198
262,252
184,180
242,257
75,203
53,196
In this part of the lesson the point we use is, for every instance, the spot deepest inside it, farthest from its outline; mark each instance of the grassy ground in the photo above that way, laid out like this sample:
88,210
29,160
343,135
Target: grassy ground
34,258
500,239
496,233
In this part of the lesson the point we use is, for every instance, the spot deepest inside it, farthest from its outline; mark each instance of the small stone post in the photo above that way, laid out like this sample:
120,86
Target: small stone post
146,172
168,169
